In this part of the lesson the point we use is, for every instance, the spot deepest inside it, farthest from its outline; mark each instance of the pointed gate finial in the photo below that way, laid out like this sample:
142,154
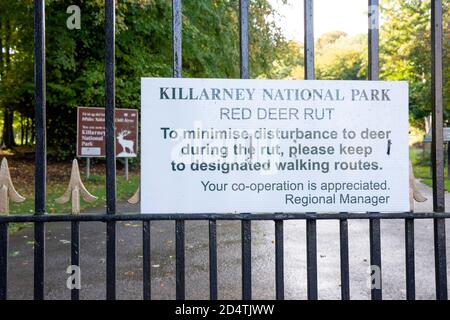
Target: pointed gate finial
414,194
7,190
75,188
135,198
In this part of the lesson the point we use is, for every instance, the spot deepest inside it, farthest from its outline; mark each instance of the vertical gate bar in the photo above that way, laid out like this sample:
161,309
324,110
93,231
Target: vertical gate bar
180,259
279,259
246,238
437,153
374,74
345,272
309,39
3,261
75,253
39,260
212,260
374,70
410,256
243,39
40,153
440,259
246,228
311,259
110,148
146,259
110,260
375,257
177,24
437,150
311,232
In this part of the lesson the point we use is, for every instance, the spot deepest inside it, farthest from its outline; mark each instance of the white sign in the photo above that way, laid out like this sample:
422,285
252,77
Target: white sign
261,146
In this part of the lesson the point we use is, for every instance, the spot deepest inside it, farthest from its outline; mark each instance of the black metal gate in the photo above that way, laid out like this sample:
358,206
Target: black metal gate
39,219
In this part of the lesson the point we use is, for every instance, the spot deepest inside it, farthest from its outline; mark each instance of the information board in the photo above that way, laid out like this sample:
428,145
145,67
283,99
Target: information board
257,146
91,132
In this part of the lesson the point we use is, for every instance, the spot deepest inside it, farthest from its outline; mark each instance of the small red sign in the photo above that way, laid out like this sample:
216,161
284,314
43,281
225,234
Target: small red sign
91,132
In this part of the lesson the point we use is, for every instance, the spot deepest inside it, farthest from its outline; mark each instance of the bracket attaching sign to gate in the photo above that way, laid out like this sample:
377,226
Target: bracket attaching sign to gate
221,146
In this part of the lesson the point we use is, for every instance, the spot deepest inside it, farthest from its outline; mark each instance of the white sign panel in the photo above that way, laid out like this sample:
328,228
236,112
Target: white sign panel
257,146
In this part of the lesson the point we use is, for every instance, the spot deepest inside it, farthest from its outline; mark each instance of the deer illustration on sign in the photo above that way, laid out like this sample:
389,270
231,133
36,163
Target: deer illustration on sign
127,145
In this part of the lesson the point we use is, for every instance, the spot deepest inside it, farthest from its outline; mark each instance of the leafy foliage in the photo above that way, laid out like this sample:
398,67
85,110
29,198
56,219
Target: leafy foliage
75,58
341,57
406,52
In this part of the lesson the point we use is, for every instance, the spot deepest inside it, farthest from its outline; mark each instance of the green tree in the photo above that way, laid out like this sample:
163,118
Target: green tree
406,52
75,58
15,36
340,57
289,63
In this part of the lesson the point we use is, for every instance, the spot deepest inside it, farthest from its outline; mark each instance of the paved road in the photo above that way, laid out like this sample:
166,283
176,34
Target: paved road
129,259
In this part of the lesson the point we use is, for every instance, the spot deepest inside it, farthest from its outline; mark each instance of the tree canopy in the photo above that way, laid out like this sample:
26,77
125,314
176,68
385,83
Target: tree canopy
406,52
75,58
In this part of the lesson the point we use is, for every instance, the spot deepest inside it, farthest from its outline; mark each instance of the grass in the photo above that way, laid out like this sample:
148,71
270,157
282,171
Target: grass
422,168
95,185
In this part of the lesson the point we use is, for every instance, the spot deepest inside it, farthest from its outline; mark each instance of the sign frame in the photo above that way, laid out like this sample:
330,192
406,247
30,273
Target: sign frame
136,142
178,105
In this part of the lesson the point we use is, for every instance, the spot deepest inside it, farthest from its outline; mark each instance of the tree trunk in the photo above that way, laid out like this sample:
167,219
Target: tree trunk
33,132
8,115
27,130
22,129
1,51
8,130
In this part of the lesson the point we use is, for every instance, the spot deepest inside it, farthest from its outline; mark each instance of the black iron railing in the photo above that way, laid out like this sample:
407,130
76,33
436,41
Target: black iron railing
111,217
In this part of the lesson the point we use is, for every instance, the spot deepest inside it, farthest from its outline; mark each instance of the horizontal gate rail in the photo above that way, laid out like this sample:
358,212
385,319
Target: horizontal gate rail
264,217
